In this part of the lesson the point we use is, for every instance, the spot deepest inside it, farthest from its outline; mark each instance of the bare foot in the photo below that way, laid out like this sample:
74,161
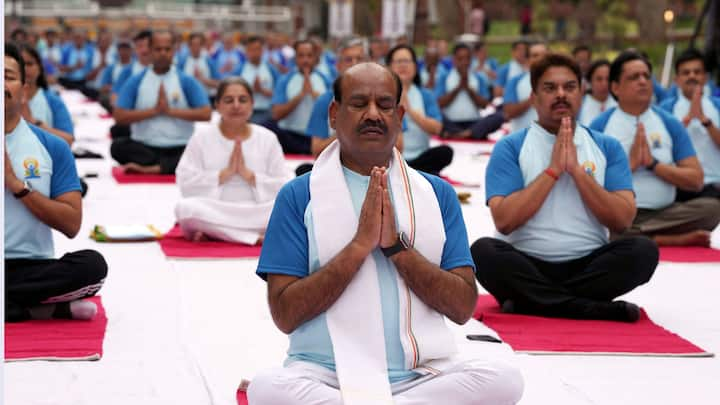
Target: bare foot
136,168
466,134
199,237
694,238
260,240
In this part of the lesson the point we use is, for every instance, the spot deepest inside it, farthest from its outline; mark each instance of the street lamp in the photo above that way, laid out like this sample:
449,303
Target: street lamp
669,17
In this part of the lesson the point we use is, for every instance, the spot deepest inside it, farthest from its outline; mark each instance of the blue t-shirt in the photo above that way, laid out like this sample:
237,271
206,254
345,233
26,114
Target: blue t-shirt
668,141
462,108
563,228
72,55
46,162
415,140
182,91
268,77
318,124
507,72
290,248
288,87
517,90
49,108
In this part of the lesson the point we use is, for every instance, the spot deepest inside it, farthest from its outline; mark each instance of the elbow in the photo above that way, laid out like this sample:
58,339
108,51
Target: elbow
284,325
504,228
71,231
206,114
275,114
698,184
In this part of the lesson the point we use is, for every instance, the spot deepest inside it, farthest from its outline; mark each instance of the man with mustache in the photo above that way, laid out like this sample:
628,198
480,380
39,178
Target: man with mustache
42,193
700,114
554,190
364,258
662,159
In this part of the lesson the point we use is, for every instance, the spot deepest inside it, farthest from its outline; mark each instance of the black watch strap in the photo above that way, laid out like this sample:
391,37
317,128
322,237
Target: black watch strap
652,165
398,247
706,122
25,191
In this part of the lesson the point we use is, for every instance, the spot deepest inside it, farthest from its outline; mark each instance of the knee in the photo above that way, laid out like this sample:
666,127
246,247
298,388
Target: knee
713,213
95,266
503,383
646,254
270,387
445,154
116,148
484,249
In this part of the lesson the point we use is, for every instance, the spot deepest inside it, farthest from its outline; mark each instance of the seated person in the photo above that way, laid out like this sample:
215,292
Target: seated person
700,114
554,189
517,107
200,66
462,93
422,115
43,108
431,68
76,62
42,192
583,56
598,99
111,73
160,104
337,225
230,174
516,66
228,57
483,64
143,59
661,157
262,76
293,100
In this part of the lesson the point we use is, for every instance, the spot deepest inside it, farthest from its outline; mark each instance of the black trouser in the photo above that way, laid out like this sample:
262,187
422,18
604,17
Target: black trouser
567,289
125,150
433,160
291,142
480,129
30,282
71,84
118,131
710,190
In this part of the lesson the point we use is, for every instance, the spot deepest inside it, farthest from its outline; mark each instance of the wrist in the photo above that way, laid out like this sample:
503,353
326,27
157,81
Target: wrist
705,121
15,185
651,167
553,173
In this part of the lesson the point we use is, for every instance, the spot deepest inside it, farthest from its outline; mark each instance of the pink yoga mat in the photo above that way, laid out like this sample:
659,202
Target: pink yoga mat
689,254
463,140
540,335
134,178
242,397
290,156
457,183
173,244
56,339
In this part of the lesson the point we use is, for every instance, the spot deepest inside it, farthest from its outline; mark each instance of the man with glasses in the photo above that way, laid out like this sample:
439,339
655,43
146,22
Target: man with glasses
554,190
662,159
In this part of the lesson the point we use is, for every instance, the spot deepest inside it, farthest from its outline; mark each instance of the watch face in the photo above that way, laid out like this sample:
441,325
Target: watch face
403,240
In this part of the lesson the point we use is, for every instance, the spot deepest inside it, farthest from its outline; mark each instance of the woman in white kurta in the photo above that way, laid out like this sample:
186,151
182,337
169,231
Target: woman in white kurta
230,173
598,100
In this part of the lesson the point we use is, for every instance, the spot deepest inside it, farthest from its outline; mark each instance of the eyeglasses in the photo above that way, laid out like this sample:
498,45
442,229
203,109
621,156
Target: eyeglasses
402,62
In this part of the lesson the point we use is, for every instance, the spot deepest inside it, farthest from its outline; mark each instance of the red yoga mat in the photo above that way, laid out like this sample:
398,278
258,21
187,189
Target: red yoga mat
57,339
457,183
463,140
173,244
134,178
242,397
540,335
689,254
291,156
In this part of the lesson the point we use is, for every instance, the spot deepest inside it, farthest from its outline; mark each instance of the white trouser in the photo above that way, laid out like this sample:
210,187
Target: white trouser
468,382
242,222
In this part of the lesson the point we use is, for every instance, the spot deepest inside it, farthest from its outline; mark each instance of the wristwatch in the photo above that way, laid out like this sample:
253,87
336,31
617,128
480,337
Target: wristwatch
27,188
399,246
651,166
706,122
38,123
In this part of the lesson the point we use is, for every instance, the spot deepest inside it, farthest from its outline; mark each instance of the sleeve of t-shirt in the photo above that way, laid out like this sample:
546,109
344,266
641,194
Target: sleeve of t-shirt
128,92
106,77
285,248
440,84
124,75
483,86
61,115
64,177
280,91
456,251
318,124
194,91
432,109
511,96
618,175
502,75
503,175
682,145
214,72
601,121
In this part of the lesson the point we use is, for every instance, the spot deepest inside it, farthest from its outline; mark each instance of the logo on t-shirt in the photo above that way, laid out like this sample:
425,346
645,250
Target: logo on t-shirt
32,168
655,140
589,168
175,98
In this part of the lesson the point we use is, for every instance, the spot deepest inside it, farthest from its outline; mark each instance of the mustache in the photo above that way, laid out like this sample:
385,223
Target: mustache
8,95
693,81
561,103
372,124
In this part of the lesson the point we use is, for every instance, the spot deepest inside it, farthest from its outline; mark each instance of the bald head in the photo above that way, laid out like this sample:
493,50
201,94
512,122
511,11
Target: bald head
367,71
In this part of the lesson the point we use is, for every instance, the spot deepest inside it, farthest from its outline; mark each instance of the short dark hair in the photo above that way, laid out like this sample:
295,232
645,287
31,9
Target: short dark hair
196,35
41,80
689,55
460,46
391,53
229,81
144,34
300,42
553,60
581,48
13,51
337,85
18,32
626,56
160,32
594,66
255,38
519,42
478,46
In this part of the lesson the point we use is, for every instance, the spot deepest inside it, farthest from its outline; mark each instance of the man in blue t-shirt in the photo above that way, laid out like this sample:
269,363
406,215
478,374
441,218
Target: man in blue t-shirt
517,107
161,105
341,274
461,93
554,190
42,192
662,159
699,113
